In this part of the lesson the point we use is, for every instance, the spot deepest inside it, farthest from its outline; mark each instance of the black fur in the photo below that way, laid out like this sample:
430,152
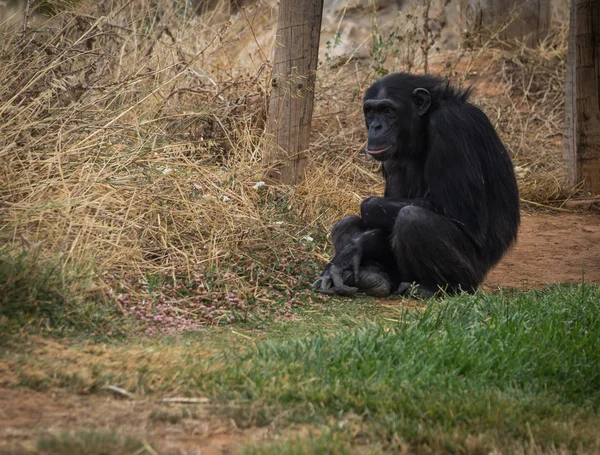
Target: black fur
451,205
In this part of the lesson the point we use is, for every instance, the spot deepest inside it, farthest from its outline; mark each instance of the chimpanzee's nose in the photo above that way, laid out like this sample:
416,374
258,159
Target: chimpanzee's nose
376,126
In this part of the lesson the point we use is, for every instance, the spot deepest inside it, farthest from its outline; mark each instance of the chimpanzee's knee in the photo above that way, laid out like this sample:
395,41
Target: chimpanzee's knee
367,206
413,225
433,251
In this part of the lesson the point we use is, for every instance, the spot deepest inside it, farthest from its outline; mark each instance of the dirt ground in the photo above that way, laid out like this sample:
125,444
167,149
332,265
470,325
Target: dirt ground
27,415
552,248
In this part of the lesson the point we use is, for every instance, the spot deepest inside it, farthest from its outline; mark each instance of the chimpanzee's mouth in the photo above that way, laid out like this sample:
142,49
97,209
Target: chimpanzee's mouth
377,151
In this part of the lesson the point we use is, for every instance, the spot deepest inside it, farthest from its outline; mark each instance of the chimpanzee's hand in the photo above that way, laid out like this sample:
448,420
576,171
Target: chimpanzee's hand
340,275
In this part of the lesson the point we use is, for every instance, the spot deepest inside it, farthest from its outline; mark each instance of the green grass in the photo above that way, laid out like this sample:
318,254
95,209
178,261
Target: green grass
502,368
326,444
52,294
538,342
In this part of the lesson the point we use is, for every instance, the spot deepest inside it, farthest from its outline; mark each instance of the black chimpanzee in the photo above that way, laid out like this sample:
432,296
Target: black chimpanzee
451,204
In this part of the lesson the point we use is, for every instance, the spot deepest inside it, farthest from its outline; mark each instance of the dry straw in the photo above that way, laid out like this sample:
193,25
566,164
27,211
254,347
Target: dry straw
129,136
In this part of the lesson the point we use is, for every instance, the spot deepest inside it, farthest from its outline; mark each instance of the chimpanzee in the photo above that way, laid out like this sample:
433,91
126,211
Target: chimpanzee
451,204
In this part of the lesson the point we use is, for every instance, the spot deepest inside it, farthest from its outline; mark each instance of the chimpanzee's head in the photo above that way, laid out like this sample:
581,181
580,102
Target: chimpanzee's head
395,109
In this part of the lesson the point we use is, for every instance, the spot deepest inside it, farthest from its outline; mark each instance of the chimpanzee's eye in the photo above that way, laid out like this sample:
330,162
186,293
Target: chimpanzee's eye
388,111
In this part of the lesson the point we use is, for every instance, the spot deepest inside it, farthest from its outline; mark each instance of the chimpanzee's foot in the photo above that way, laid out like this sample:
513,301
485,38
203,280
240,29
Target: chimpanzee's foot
374,281
333,282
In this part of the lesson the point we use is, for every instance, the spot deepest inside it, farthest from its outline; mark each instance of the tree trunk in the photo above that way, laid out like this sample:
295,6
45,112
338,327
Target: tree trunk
582,105
292,89
509,19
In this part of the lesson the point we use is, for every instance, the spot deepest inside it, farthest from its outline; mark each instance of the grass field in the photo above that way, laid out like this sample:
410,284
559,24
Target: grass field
514,372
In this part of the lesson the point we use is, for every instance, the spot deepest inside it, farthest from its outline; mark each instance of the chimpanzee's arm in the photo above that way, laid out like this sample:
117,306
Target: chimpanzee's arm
381,212
372,245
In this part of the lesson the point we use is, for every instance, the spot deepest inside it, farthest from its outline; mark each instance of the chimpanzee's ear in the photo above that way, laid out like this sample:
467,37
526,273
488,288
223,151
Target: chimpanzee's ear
422,100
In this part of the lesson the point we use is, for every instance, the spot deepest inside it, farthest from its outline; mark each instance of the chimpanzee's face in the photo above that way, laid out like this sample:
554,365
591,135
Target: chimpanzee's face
390,122
383,123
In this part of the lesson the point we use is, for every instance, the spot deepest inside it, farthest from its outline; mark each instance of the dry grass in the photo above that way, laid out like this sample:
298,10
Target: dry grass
47,365
118,143
129,136
531,114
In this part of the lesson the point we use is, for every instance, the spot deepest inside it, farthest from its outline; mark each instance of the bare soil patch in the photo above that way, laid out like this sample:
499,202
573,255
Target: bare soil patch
26,416
551,248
